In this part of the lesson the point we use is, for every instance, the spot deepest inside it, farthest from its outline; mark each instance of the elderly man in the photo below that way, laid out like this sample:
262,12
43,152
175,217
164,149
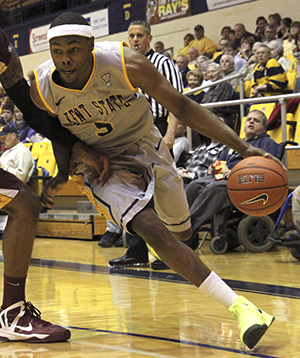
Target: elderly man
227,65
207,196
240,32
269,75
204,45
16,159
182,64
192,57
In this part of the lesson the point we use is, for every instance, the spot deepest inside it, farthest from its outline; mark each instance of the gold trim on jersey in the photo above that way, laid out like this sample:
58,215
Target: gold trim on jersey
124,66
40,92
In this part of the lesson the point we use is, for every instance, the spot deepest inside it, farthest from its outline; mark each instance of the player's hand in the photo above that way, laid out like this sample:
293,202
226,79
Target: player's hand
5,51
51,188
170,140
98,162
252,151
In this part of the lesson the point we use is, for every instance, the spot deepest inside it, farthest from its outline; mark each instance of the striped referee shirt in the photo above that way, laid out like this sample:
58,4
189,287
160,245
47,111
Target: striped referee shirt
169,70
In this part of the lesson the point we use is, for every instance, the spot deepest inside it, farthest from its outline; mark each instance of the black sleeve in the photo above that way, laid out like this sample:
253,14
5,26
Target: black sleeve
37,119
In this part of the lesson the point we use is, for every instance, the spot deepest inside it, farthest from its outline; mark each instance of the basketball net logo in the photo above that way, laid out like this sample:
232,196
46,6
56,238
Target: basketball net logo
263,197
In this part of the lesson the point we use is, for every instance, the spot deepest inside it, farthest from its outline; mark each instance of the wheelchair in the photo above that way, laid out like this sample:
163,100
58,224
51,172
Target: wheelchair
230,228
276,237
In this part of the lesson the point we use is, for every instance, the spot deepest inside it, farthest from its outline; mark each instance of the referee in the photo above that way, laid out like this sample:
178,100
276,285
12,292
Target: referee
139,38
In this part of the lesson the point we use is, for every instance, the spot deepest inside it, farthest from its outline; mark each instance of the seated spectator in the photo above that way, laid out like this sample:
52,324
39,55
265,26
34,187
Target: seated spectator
289,44
6,16
195,79
203,69
277,53
25,132
227,65
16,159
269,75
275,20
225,32
246,47
160,48
181,146
182,64
219,93
8,113
204,45
240,32
231,48
200,160
200,60
284,29
207,196
185,50
219,53
261,24
192,57
270,35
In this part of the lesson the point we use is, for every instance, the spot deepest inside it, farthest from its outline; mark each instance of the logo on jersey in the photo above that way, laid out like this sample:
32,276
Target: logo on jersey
106,79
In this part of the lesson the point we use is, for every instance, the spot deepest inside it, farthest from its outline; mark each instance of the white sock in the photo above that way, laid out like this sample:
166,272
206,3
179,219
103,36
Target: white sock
217,289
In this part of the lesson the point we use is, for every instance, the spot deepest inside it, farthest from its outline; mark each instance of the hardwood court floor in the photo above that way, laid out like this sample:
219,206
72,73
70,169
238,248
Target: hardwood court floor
139,313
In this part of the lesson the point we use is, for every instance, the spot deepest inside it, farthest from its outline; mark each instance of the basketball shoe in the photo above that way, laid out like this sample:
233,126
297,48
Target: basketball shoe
252,321
22,322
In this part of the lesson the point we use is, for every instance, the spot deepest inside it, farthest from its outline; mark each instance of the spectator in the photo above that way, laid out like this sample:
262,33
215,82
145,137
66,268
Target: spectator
181,146
275,20
289,44
270,35
186,40
204,45
207,196
240,32
261,24
193,55
231,48
202,157
246,47
8,113
160,48
269,75
249,69
16,159
6,16
284,29
218,54
182,64
227,65
195,79
25,132
225,32
203,69
219,93
277,53
200,60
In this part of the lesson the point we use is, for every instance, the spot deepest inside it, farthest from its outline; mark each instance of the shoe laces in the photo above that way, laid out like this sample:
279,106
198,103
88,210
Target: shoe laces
31,313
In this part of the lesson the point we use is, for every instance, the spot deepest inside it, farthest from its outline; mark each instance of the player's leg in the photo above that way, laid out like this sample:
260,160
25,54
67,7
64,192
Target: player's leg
252,322
17,315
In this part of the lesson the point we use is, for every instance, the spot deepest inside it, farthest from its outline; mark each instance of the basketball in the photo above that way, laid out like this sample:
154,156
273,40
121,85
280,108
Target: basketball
257,186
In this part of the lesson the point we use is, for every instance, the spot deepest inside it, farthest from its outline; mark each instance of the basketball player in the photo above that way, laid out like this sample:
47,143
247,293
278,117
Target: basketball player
94,94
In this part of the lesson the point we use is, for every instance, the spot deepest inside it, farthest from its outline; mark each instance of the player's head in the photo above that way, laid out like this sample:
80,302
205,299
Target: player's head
71,47
139,36
256,124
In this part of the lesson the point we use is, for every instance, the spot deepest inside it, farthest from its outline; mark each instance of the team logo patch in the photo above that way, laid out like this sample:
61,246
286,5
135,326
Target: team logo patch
106,79
263,197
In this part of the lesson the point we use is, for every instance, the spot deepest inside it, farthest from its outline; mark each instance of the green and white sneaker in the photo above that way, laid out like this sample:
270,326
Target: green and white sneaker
252,321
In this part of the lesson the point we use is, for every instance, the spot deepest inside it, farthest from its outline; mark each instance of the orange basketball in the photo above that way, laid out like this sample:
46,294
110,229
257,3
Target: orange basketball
257,186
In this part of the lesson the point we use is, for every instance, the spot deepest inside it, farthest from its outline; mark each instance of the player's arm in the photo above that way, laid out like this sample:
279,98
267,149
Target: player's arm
143,74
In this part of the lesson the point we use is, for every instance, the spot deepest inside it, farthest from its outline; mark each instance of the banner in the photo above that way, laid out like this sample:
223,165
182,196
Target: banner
218,4
97,19
165,10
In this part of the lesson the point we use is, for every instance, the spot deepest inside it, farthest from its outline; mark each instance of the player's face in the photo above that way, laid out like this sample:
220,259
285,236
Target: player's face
138,38
254,125
72,56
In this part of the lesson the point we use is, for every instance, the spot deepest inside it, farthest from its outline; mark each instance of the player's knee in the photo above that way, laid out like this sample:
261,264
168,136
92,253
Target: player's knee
184,235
